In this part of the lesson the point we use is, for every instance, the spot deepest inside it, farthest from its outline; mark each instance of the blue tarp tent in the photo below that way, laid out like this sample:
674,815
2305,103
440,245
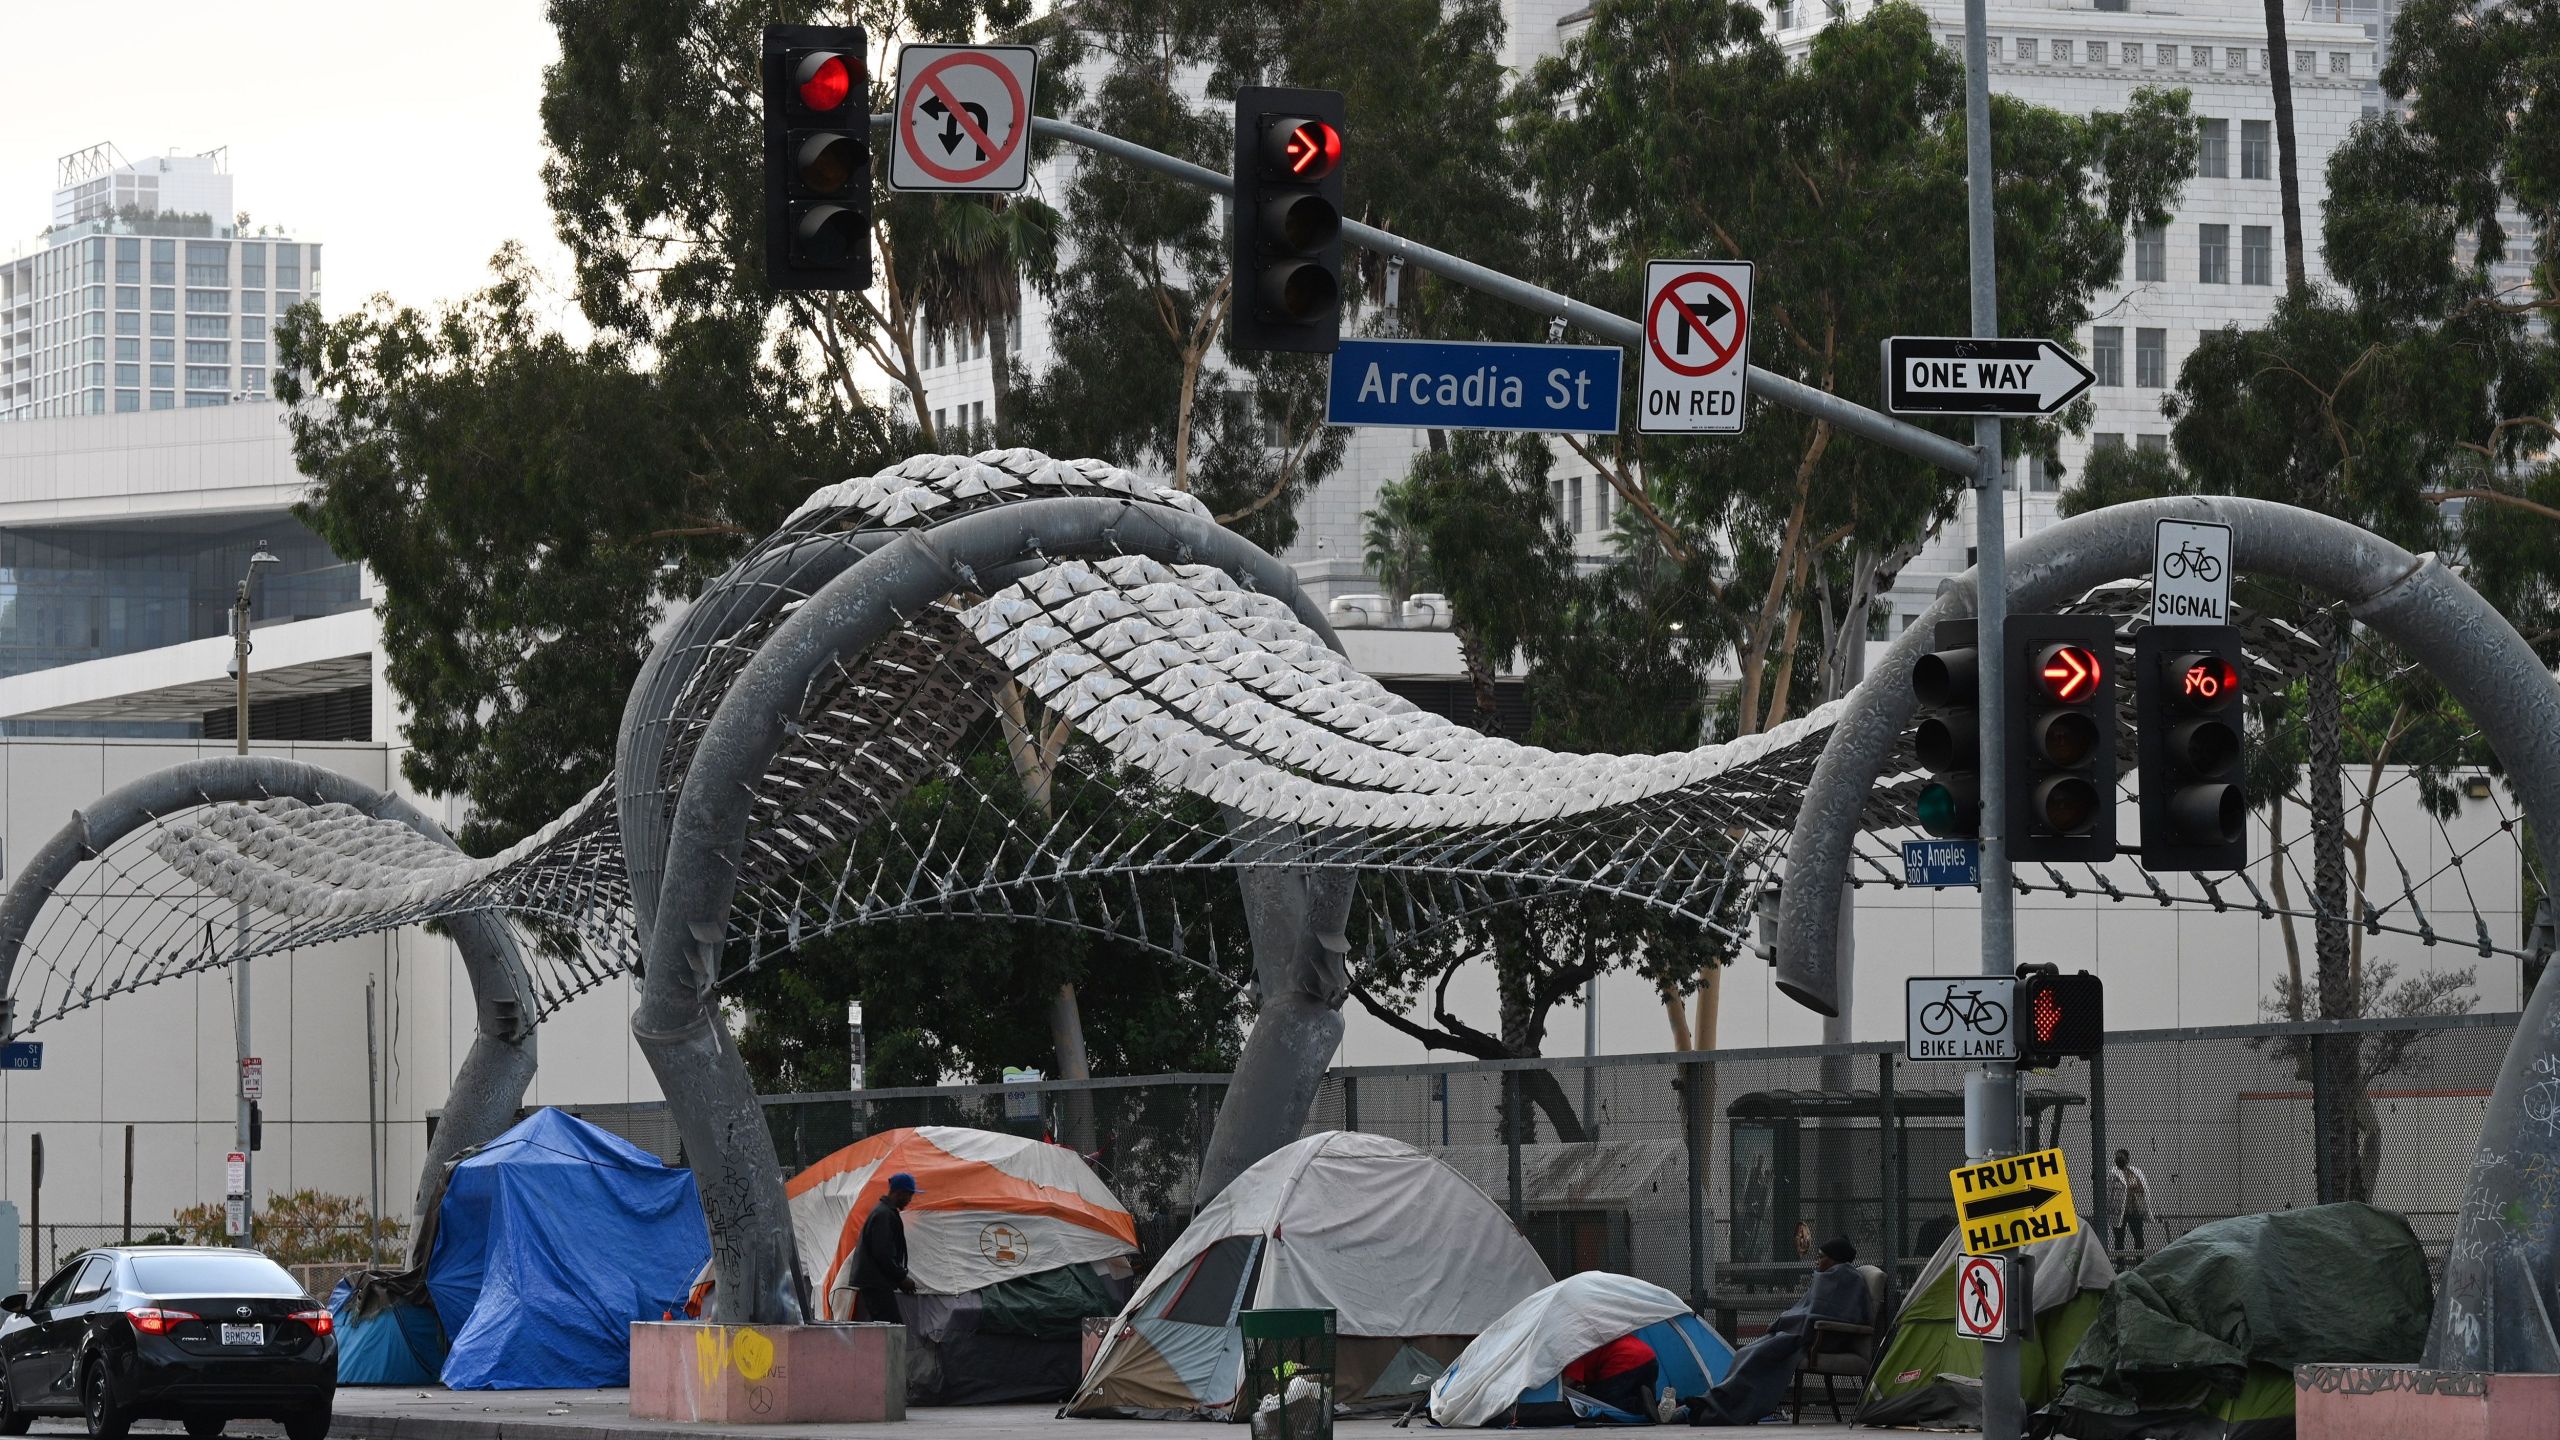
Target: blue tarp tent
399,1343
550,1241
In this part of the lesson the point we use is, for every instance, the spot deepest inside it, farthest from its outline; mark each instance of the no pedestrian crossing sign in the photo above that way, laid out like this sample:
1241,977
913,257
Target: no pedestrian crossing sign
1982,1298
1697,346
2190,573
2013,1201
963,120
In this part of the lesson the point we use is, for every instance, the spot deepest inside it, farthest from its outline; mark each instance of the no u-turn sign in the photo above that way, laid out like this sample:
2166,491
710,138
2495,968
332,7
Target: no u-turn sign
1697,347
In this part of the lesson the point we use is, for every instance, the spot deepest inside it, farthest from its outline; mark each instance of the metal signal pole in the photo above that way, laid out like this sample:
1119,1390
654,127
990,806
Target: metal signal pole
240,967
1990,1094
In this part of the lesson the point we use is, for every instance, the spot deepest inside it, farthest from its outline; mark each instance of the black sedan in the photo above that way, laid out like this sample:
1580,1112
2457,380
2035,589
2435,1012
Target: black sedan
183,1333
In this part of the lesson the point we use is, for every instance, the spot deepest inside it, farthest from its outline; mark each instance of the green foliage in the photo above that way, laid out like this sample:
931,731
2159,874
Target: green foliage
305,1227
2122,474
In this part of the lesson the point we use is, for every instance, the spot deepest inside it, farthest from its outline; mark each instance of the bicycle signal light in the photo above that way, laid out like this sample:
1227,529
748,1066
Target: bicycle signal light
2188,687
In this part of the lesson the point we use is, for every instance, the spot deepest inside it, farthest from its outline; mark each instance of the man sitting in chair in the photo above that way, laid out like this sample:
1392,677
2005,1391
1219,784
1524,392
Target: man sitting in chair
1763,1369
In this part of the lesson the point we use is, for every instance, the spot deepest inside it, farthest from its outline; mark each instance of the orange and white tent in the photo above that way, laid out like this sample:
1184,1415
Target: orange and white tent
988,1208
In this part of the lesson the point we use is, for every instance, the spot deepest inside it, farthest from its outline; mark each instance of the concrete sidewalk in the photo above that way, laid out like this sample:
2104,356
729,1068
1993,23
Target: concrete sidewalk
438,1414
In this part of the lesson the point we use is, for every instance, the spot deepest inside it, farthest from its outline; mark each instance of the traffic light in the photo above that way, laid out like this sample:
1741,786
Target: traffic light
2061,692
2058,1015
817,158
2187,693
1286,235
1947,683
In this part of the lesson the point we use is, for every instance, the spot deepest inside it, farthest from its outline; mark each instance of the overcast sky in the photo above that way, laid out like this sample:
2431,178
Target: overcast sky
403,137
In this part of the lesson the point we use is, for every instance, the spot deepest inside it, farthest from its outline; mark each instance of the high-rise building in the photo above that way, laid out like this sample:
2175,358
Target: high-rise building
145,293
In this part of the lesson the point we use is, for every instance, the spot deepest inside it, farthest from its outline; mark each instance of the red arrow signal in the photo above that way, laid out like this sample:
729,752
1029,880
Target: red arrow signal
2069,672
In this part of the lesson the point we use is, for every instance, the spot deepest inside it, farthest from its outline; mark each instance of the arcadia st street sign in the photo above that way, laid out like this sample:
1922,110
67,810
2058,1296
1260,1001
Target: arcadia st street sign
1945,375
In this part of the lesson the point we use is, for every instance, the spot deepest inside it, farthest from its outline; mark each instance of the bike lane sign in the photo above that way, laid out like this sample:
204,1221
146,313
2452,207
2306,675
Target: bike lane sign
1965,1018
2190,573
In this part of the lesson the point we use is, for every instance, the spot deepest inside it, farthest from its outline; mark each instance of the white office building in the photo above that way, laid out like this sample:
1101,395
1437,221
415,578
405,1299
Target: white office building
143,293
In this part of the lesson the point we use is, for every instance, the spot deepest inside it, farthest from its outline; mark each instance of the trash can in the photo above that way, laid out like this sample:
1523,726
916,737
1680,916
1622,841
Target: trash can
1288,1374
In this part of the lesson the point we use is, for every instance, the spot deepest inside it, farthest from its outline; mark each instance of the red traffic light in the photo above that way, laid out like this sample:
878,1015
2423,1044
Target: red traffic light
2207,682
823,80
2069,673
1302,148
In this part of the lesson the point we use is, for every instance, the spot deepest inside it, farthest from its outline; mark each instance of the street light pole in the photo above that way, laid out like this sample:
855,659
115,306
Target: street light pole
240,917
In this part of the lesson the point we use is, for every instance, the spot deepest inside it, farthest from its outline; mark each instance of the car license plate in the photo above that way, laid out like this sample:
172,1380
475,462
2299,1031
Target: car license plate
244,1334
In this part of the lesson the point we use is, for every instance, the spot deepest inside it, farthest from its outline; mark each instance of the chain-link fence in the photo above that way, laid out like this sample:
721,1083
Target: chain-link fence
1713,1174
45,1248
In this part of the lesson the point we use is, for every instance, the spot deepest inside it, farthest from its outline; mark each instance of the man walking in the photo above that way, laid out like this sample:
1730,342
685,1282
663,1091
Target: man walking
2128,1199
880,1256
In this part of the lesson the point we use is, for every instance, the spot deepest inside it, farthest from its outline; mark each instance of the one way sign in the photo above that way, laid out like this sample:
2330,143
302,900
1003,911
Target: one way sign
1943,375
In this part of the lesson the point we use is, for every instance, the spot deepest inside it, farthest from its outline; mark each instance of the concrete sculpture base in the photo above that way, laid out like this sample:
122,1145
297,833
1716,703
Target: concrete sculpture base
2394,1402
768,1374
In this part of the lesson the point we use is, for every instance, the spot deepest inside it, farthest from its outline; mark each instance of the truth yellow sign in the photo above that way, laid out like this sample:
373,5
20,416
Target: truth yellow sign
2018,1200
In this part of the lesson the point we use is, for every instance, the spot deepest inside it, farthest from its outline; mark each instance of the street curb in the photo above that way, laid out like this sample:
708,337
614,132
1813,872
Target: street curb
362,1426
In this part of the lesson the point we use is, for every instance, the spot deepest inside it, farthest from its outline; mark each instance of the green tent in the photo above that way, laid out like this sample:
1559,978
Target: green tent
2200,1342
1930,1376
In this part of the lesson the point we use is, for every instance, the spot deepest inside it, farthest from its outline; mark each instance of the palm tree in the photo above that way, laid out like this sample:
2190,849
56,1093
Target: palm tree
1393,545
972,256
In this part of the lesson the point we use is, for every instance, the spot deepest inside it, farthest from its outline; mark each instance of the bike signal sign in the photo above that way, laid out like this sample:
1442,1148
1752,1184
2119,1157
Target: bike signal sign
1967,1019
1697,347
963,120
1982,1298
2190,573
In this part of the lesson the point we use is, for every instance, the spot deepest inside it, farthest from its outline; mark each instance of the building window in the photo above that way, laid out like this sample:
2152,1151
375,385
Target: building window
2257,255
253,380
129,375
2107,351
2213,156
253,327
163,375
129,350
2151,252
2106,440
2200,57
164,351
289,267
163,400
97,297
253,352
164,261
128,297
208,352
253,266
2061,52
164,324
208,262
208,327
2165,55
1995,47
164,299
2305,63
253,302
2235,58
2151,358
198,400
2097,52
2151,444
1573,504
208,302
2257,148
2026,50
128,401
2213,254
128,323
1785,11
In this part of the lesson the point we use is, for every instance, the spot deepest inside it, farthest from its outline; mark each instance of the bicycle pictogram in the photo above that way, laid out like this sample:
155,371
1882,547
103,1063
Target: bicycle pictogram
1980,1015
2191,556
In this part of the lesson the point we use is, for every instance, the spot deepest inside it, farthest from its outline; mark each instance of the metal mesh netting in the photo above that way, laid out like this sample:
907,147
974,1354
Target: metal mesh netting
1155,713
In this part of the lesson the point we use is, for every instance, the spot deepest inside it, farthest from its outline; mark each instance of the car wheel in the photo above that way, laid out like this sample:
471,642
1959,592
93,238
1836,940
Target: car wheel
107,1419
204,1427
13,1421
309,1425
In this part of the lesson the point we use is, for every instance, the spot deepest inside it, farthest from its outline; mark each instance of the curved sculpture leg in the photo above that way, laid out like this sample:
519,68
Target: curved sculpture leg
2498,1306
706,1083
491,1083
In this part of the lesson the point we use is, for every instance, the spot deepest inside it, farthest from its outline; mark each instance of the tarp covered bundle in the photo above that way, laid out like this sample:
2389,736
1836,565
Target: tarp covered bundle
388,1333
2201,1340
550,1241
1413,1261
1513,1372
1930,1376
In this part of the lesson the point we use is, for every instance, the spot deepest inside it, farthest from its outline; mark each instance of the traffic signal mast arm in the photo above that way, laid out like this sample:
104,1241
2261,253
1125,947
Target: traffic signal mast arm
1856,419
